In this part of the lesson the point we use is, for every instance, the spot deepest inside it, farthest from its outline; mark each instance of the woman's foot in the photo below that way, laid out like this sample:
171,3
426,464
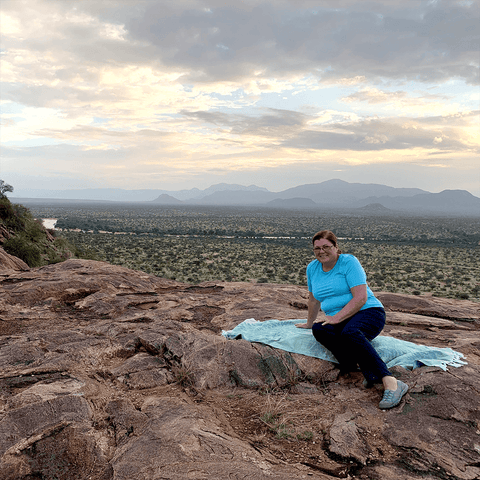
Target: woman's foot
389,382
391,398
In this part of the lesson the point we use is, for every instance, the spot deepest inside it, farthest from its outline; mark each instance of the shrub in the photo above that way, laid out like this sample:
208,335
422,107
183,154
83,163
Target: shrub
29,239
34,229
21,247
10,216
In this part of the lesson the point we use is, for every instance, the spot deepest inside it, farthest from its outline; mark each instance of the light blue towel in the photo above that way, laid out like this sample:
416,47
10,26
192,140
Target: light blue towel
284,335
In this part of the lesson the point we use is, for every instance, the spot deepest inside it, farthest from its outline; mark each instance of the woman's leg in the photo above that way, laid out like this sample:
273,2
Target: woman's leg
350,341
356,336
330,337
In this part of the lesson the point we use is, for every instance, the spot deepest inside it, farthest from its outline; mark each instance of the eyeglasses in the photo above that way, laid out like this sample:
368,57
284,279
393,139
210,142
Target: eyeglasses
325,248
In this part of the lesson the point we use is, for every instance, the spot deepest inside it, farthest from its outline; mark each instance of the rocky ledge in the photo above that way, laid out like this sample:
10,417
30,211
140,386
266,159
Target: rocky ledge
110,373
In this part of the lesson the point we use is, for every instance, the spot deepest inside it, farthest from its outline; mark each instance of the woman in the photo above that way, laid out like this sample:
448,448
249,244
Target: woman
354,316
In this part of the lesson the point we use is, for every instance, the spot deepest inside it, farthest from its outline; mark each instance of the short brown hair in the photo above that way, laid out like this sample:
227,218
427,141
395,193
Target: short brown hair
327,235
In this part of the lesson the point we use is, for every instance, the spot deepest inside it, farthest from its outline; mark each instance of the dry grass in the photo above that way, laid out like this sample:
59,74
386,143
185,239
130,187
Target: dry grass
289,416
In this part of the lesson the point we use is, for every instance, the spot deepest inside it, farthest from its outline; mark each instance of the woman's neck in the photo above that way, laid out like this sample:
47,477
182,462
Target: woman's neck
326,267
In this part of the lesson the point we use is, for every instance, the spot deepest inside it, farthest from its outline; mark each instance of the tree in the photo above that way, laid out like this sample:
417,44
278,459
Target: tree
4,188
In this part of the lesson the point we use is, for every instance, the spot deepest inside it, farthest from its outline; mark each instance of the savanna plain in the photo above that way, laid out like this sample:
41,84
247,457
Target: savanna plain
417,255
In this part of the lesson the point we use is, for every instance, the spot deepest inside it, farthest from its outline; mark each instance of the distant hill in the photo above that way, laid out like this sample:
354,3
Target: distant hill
459,202
351,196
374,209
343,193
235,197
329,194
122,195
91,194
165,199
332,193
226,187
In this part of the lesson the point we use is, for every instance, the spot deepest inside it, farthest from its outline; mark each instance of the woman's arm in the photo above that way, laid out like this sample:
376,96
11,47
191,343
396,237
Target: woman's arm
359,298
313,309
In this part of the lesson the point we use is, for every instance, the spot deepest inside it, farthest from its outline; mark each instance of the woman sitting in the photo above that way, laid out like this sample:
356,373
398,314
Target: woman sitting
337,283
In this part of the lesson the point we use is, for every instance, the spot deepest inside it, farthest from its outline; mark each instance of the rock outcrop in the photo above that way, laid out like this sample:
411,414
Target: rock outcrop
9,263
109,373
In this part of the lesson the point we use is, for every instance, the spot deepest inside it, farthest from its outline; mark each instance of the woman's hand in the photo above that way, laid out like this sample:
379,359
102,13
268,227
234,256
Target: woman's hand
359,298
302,325
313,309
328,320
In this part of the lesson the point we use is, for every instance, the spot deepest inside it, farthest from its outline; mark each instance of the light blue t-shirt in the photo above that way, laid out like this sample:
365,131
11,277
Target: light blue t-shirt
332,289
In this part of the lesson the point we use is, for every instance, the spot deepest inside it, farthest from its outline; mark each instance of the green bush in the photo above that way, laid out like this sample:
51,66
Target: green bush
19,246
29,239
10,216
36,231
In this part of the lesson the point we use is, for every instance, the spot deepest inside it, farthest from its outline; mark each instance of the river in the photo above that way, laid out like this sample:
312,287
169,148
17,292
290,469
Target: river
49,222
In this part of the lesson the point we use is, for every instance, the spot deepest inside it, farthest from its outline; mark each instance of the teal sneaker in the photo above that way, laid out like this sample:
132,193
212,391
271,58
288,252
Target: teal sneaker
391,398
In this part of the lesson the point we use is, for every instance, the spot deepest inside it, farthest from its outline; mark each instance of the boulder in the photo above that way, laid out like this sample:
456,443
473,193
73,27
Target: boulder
9,263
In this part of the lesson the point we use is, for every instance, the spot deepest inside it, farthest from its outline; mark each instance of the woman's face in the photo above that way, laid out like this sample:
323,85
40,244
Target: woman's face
325,252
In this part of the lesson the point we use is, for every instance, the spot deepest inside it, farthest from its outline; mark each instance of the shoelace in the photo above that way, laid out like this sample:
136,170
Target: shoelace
388,395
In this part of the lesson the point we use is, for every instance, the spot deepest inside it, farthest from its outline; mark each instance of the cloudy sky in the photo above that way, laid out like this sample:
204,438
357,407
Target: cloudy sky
277,93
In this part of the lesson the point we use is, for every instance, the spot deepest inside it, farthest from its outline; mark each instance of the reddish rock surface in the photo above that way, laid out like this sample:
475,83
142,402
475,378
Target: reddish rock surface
9,263
108,373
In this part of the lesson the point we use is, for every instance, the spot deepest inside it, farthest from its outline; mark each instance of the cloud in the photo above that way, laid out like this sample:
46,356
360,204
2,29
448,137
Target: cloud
294,130
146,89
414,103
272,123
434,43
213,41
91,55
381,134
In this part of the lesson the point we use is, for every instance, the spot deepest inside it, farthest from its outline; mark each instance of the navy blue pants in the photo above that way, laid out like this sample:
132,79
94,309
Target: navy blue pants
350,341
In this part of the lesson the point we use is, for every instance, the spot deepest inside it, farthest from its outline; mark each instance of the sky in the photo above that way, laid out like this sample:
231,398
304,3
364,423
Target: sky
162,94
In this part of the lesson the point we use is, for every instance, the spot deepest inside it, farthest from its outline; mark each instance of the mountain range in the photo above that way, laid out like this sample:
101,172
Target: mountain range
331,194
